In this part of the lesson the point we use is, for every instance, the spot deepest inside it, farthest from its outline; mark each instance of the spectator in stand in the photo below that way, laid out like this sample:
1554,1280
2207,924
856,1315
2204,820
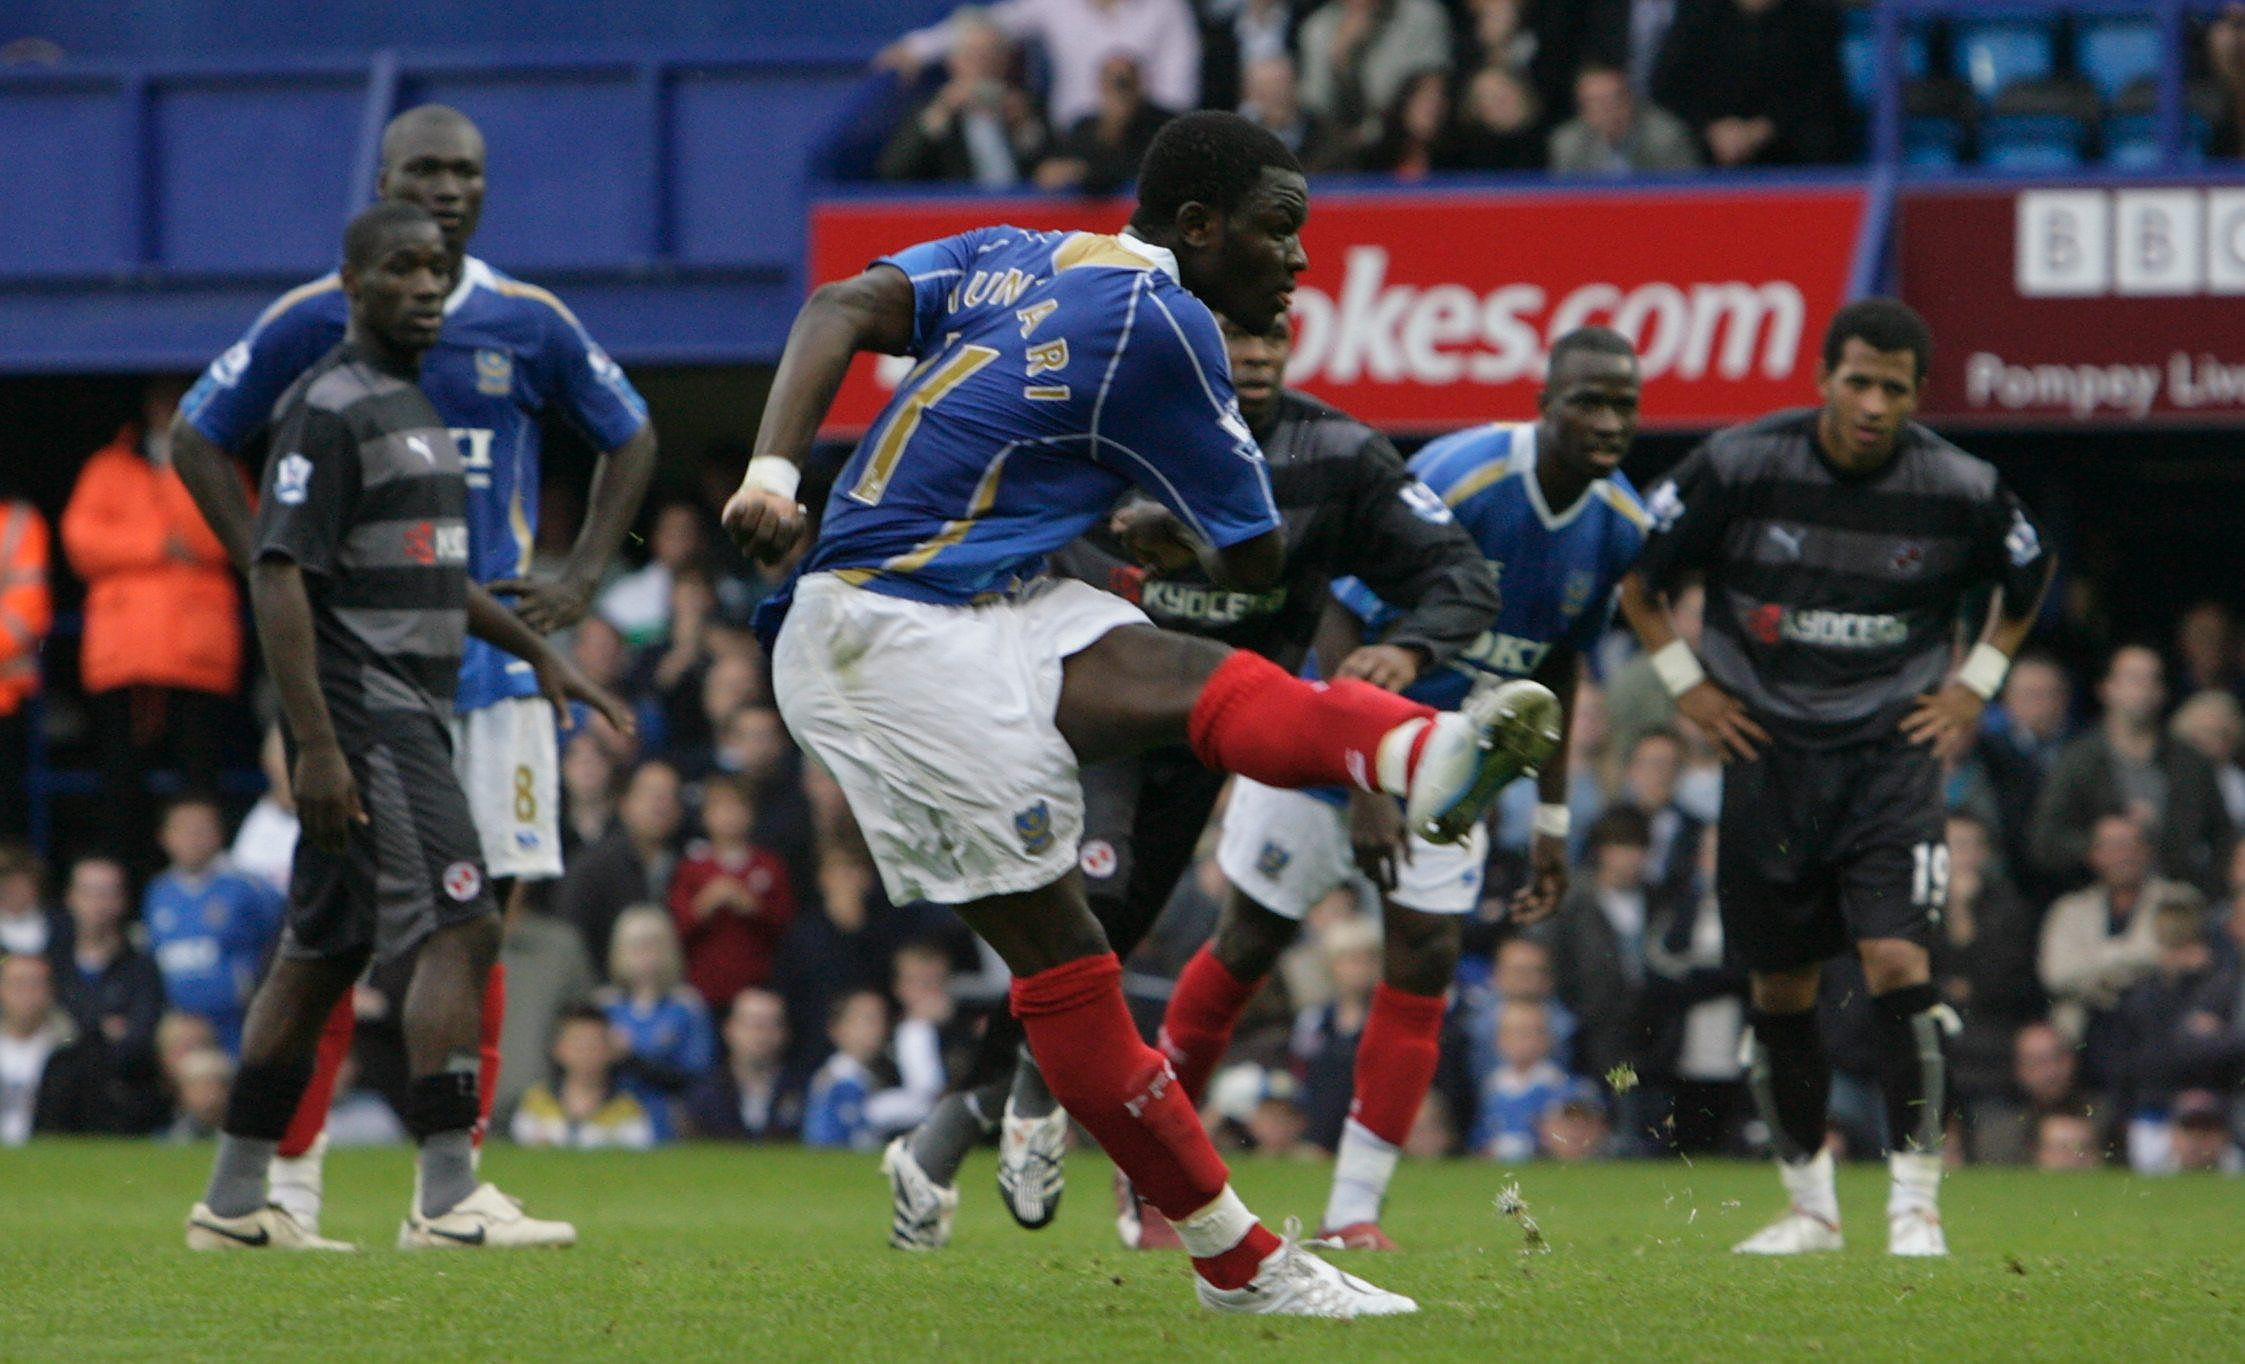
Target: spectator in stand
631,864
1078,36
53,1078
2045,1079
1499,125
27,926
2158,1016
732,901
548,974
582,1106
755,1095
836,1114
2021,737
1357,54
1695,1016
588,794
754,746
664,1041
2200,1140
1526,1082
1598,946
2098,942
1984,963
638,604
921,984
1759,81
2212,723
1323,1044
1271,95
112,991
2225,57
1576,1128
210,927
1613,134
26,614
2127,766
163,639
1649,774
980,127
1100,152
199,1085
667,678
1235,35
265,846
840,945
2067,1139
728,684
2206,650
1414,136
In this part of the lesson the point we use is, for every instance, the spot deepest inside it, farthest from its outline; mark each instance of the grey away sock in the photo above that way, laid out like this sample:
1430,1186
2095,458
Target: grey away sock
1030,1098
237,1179
448,1172
941,1144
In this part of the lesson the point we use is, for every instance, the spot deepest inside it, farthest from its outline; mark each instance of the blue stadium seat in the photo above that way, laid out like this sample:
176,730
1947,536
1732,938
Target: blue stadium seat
2132,142
2030,142
1859,56
1994,53
1932,143
2113,54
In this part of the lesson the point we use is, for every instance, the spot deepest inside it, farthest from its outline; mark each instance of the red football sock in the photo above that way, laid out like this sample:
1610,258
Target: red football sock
1395,1061
1127,1097
1254,719
319,1095
487,1067
1203,1010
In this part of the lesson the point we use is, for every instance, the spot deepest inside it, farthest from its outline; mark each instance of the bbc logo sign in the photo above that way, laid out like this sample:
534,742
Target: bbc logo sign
2144,243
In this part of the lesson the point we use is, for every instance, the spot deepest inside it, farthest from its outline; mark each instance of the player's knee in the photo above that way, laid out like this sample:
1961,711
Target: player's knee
1422,950
1785,992
1891,964
1250,939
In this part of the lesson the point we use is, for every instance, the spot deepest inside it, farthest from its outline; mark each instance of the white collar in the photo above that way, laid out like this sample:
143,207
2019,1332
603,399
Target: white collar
473,274
1160,257
1524,454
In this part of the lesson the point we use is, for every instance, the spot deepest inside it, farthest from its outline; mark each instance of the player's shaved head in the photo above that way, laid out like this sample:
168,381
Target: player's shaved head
1229,199
423,123
1593,341
370,233
1209,157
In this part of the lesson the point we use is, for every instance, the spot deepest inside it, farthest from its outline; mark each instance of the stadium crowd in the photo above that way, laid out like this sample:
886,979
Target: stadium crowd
719,961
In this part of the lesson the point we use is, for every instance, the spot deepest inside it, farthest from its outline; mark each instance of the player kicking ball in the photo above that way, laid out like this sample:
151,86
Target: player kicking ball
1559,525
954,690
359,584
1839,544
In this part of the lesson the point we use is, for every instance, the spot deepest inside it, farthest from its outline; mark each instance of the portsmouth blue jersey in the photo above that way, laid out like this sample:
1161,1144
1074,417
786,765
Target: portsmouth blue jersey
1056,370
1556,571
510,353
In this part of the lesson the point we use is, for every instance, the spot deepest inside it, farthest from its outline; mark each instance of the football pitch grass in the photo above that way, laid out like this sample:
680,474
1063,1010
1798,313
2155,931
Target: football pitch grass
706,1253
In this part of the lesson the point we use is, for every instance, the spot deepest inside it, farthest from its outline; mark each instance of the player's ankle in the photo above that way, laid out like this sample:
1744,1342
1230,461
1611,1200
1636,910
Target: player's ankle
1238,1266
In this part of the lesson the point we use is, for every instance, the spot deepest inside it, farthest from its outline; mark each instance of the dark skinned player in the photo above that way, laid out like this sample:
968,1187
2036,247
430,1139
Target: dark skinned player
1839,545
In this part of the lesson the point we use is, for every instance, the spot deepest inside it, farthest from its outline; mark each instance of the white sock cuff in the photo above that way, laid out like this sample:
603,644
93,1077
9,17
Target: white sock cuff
1217,1227
1392,763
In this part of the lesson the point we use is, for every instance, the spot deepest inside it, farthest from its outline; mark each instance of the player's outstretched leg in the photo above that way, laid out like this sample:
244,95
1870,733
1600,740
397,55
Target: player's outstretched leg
1792,1084
443,1013
1067,992
278,1042
1914,1027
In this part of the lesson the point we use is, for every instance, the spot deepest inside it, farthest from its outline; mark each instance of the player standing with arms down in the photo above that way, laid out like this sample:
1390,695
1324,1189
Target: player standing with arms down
953,689
362,597
1548,507
511,354
1839,544
1350,507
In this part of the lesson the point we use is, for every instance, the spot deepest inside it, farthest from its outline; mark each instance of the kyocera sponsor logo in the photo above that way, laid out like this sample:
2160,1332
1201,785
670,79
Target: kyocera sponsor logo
1771,623
1379,331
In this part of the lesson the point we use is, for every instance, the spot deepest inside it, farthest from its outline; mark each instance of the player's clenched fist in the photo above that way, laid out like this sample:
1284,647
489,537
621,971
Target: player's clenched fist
765,524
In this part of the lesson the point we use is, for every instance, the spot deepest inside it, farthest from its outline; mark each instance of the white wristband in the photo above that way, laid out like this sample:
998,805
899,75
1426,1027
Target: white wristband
1553,821
773,474
1983,671
1677,667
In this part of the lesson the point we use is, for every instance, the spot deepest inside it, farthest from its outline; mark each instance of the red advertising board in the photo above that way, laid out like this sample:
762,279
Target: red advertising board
1430,311
2112,305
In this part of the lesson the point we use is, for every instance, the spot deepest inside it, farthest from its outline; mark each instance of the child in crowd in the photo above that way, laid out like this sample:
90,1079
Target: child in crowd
1526,1081
731,900
662,1028
582,1106
836,1114
210,927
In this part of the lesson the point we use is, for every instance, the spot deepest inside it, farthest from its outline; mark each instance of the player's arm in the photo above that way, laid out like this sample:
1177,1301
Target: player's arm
873,311
559,677
1947,721
216,485
1539,899
1688,518
1401,542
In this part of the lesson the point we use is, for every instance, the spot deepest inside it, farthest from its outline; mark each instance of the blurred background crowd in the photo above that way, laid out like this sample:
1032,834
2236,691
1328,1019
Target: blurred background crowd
719,961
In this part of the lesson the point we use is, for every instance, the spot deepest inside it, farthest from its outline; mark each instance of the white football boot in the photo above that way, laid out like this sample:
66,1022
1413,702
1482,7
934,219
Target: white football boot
1913,1212
1501,732
920,1210
271,1227
1031,1169
1295,1283
1812,1225
485,1220
297,1184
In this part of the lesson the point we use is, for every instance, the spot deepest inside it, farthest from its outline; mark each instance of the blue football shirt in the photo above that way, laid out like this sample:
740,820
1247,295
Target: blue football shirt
510,353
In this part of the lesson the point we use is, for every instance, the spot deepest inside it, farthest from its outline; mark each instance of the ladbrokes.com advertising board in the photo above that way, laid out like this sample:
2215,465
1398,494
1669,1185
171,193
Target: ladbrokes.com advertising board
1432,311
2089,305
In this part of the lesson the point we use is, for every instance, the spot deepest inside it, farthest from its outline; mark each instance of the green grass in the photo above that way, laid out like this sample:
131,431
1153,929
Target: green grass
739,1254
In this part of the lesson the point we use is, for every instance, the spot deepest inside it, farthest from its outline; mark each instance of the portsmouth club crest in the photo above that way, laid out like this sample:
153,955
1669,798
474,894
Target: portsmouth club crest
1034,826
1576,595
494,373
1272,860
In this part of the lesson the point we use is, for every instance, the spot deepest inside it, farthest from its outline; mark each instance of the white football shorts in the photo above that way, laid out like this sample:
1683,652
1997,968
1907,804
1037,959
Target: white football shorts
508,757
1287,850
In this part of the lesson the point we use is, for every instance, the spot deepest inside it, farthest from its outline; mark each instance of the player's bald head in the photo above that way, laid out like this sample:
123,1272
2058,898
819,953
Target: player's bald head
423,125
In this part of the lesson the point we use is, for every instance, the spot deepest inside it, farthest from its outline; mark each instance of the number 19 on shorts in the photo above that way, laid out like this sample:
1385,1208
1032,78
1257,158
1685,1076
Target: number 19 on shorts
1929,879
